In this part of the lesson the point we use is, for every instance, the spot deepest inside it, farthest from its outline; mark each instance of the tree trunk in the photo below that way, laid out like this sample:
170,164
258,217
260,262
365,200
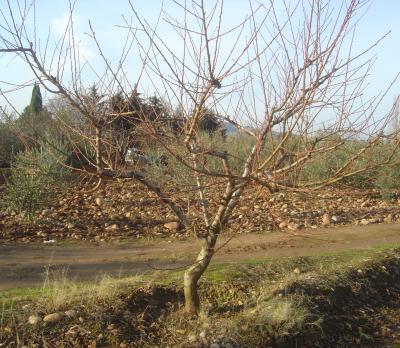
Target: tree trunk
193,274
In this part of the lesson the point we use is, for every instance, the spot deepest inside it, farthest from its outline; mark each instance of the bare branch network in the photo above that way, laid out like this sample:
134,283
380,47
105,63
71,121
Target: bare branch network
286,77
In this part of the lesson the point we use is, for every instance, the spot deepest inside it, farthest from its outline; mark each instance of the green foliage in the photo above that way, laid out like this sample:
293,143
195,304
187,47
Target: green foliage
388,181
36,105
9,142
326,165
35,175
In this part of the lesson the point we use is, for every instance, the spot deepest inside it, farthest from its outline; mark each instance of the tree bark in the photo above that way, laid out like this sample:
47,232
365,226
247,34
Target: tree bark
193,274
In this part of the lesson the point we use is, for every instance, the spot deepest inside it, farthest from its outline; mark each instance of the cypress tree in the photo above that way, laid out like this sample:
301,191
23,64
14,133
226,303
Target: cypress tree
36,105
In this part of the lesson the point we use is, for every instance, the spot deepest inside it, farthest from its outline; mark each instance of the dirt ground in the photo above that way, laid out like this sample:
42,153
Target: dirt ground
25,265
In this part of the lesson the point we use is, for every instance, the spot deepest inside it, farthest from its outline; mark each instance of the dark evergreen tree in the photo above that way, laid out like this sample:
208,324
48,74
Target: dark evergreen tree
34,121
36,105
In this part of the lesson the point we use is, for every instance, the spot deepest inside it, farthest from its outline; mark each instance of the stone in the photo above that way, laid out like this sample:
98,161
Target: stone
293,226
172,226
34,319
335,218
113,227
99,201
388,219
296,271
53,317
283,224
51,241
71,314
214,345
70,226
203,334
192,338
365,222
326,220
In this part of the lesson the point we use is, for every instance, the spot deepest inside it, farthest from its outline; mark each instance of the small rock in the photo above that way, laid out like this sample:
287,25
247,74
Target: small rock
26,306
51,241
53,317
70,226
283,207
34,319
326,220
365,222
71,314
123,345
360,271
99,201
335,218
283,224
297,271
203,334
388,219
214,345
192,338
172,226
293,226
113,227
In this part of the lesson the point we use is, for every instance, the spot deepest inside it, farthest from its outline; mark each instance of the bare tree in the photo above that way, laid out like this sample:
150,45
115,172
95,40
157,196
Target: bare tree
286,76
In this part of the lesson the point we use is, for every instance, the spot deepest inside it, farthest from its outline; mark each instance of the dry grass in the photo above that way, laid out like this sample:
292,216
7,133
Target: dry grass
262,304
59,293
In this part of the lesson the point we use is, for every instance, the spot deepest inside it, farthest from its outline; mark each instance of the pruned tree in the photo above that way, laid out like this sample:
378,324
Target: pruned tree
286,75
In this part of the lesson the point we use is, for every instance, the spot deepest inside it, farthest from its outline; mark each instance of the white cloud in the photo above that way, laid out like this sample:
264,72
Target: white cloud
60,25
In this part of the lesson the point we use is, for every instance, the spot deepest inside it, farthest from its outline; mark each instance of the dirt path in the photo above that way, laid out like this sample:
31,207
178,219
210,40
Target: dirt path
24,265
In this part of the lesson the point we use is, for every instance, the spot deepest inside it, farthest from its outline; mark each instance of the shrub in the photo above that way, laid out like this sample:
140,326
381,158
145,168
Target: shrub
9,143
35,175
388,181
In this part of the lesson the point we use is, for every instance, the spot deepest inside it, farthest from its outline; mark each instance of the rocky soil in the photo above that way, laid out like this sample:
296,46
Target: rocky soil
120,210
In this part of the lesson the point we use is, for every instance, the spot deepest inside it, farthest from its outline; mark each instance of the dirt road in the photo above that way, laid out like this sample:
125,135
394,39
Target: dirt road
24,265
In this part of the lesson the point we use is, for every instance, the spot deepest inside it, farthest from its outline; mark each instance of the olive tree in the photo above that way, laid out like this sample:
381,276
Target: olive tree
286,75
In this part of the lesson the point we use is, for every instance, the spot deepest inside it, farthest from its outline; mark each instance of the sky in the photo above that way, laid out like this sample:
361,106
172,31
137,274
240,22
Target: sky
51,15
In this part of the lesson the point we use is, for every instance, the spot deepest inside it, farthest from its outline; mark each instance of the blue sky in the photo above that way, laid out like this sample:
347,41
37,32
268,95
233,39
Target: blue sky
382,16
